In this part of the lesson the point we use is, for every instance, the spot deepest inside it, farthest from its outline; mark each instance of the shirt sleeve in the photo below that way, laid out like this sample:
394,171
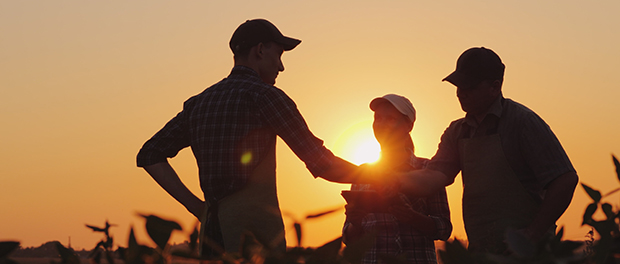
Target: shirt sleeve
446,160
166,143
542,150
282,115
439,212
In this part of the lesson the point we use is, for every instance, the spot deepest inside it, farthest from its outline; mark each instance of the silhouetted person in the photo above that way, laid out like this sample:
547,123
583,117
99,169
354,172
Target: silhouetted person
231,128
516,175
411,223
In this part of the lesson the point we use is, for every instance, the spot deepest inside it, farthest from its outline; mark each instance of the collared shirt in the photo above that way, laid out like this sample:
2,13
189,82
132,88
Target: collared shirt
532,149
230,127
395,238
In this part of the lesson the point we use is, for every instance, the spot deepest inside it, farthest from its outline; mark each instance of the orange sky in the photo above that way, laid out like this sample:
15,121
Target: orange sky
83,84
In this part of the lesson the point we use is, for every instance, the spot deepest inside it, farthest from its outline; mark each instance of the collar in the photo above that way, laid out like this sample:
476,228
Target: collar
496,109
244,70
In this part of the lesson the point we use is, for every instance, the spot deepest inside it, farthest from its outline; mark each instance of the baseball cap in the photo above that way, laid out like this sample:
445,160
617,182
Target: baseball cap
402,104
254,31
476,65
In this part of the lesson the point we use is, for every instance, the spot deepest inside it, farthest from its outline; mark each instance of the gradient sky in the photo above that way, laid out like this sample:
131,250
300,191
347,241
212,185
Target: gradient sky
83,84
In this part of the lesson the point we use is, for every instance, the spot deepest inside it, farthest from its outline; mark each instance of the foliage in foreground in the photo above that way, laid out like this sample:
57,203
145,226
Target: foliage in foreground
552,249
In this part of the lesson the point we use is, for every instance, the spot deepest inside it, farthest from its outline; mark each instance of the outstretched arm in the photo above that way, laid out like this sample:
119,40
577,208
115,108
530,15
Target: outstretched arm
341,171
423,182
168,179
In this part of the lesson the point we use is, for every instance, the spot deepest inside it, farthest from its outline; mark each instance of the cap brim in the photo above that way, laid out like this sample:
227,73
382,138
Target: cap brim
460,80
378,101
288,43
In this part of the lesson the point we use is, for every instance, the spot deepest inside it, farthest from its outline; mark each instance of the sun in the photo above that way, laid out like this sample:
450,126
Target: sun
357,144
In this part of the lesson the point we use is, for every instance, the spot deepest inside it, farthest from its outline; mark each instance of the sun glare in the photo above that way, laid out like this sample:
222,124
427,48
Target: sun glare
357,144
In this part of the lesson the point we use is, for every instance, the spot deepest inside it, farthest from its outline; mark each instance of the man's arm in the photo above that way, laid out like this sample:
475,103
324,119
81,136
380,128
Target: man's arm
557,198
423,182
168,179
342,171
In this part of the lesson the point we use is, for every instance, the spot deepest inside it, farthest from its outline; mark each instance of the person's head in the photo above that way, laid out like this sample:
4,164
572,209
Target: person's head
393,120
258,44
478,77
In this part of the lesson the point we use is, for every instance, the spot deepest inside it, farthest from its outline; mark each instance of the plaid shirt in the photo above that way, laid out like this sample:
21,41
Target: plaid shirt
230,127
396,238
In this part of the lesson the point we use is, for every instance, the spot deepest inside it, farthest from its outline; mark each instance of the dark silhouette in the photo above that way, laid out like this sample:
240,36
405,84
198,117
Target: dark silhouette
232,128
403,224
516,175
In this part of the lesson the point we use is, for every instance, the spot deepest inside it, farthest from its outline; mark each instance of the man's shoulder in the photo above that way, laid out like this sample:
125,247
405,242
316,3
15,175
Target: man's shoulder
517,112
456,125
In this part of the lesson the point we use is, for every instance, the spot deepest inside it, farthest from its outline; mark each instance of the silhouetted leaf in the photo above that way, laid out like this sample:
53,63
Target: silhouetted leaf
594,194
607,209
612,192
617,164
6,247
160,230
96,229
323,213
587,215
298,233
193,240
133,253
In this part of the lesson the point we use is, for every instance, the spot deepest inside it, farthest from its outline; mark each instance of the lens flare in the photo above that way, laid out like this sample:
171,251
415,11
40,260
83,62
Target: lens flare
246,158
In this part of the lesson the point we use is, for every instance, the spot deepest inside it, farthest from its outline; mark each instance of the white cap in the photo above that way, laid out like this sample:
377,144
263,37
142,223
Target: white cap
401,104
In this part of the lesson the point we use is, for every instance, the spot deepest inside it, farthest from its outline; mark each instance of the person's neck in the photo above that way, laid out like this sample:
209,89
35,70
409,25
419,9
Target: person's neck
247,63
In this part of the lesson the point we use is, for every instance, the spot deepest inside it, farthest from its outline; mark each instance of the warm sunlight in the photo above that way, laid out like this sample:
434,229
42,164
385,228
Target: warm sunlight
357,144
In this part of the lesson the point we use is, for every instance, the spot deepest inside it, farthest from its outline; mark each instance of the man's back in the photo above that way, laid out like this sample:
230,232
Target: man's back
231,126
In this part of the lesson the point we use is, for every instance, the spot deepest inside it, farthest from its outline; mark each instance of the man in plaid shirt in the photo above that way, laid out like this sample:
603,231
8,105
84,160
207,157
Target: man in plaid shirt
405,225
231,128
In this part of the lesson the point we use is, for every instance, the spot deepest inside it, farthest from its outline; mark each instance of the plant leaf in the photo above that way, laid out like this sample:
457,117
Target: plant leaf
298,233
160,230
594,194
587,215
193,240
323,213
608,210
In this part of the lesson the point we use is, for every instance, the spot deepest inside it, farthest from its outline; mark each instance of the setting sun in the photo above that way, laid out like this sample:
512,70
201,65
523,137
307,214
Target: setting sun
357,144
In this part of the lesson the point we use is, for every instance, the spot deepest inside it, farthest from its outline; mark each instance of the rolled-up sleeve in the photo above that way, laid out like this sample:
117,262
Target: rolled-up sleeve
166,143
447,159
282,115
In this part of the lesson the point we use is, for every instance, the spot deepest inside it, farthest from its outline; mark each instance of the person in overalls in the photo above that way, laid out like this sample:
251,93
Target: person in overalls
231,128
516,175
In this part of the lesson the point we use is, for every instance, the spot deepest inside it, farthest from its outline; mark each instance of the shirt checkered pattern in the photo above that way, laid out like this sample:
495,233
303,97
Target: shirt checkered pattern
230,127
395,238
